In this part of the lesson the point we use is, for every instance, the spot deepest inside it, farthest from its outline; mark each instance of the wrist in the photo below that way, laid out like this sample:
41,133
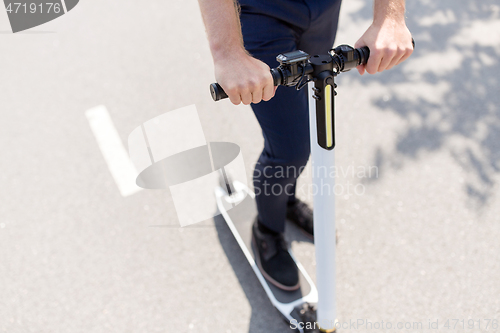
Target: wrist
228,52
389,22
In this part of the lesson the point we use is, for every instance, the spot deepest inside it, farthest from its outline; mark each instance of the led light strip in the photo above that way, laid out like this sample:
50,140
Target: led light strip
328,116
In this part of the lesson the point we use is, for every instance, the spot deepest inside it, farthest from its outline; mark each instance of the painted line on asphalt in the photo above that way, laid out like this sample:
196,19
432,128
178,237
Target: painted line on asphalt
113,151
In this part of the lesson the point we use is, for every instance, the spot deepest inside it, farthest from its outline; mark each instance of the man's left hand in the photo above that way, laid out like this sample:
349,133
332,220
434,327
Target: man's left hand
390,44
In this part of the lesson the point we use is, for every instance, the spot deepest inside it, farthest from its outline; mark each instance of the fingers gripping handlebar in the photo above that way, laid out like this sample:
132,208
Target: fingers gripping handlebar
296,68
218,93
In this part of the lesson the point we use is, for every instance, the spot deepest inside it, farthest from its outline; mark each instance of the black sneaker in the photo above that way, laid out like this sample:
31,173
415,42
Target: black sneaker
274,260
299,213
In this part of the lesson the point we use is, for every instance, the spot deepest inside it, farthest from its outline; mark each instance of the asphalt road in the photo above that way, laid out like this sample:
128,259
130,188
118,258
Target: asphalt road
419,244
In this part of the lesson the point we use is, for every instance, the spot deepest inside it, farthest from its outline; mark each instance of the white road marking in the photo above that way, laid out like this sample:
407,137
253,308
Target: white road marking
64,6
115,155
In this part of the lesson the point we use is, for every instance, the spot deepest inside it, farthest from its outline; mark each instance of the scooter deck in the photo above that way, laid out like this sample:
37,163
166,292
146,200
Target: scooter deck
239,211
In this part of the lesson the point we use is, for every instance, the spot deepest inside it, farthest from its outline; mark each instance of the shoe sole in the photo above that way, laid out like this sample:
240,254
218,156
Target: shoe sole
266,276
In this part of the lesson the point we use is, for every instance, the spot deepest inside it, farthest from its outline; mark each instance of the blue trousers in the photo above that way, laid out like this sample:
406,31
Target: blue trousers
271,27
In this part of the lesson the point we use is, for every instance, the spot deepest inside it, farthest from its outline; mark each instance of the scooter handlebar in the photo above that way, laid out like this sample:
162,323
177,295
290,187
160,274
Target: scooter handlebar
218,93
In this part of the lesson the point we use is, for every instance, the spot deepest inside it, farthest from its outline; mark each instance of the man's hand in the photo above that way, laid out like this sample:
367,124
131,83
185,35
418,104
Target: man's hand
388,38
244,79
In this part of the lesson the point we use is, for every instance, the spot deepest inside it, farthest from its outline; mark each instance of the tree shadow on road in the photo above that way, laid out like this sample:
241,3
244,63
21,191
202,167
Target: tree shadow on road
449,89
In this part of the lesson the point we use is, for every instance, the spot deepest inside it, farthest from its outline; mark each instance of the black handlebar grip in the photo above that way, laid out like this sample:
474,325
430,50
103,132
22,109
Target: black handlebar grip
277,78
364,54
217,92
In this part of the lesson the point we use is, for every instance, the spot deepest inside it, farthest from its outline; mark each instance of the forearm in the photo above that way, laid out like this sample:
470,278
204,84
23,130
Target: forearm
223,27
245,79
389,11
388,37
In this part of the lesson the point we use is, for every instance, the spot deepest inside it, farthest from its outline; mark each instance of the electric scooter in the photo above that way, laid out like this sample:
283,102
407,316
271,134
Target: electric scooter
307,309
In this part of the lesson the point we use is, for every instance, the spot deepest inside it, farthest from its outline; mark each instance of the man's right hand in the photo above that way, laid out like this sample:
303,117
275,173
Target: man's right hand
244,79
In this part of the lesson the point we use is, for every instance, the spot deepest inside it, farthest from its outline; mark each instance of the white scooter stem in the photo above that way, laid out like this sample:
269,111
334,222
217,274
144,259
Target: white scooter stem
322,162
